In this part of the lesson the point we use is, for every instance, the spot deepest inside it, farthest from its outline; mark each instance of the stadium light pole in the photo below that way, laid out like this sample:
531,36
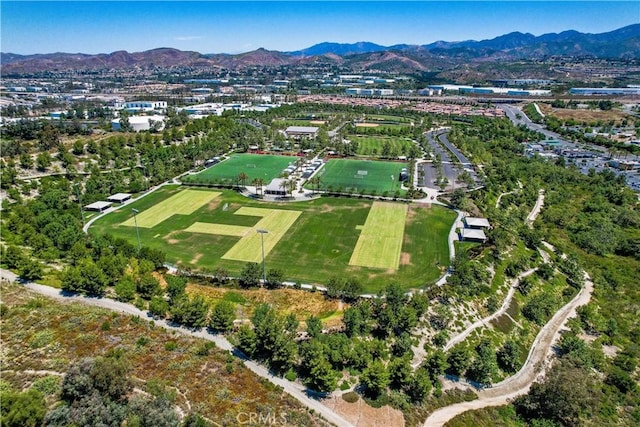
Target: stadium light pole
264,271
135,221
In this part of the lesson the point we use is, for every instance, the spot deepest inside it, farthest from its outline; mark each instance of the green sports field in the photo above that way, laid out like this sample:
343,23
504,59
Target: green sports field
309,241
373,145
262,166
361,175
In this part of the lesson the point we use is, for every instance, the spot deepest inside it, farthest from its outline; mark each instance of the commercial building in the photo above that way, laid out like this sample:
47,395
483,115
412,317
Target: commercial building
604,91
302,132
140,123
135,106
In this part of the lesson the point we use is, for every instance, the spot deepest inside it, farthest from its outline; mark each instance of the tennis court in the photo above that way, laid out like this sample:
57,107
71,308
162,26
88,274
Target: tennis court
361,175
254,166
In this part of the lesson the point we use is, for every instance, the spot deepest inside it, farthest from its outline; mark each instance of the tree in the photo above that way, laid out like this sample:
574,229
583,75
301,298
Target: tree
190,312
322,377
314,326
26,161
247,340
26,409
250,275
457,198
125,289
375,379
148,286
419,385
436,364
484,366
354,324
175,286
458,360
509,357
222,316
31,269
242,178
158,306
43,161
274,278
567,394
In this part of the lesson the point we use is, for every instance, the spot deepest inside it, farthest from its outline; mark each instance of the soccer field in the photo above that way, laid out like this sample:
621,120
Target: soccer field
311,241
262,166
361,175
381,236
373,145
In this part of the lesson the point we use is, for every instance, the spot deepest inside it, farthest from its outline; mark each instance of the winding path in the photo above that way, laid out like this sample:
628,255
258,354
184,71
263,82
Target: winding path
535,365
297,391
485,321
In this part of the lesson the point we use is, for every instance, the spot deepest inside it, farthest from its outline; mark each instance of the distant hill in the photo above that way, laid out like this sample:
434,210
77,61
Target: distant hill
344,48
623,43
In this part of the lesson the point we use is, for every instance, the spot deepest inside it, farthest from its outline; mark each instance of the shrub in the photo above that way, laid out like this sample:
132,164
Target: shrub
351,397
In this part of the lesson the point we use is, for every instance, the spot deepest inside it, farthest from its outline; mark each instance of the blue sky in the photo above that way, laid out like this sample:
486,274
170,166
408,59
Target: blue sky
240,26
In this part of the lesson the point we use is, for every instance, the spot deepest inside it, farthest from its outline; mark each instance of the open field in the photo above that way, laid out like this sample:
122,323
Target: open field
41,337
372,145
361,175
262,166
380,239
315,239
387,118
584,115
185,202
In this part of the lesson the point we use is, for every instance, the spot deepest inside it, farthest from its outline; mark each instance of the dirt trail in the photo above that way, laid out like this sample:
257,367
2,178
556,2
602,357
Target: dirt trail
485,321
535,365
295,390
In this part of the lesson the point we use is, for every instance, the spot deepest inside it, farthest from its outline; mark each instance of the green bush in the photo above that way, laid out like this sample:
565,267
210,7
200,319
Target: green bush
351,397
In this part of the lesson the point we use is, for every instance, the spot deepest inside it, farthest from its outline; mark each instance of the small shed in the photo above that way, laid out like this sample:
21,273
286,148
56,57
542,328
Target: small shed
98,206
477,223
119,197
473,235
302,131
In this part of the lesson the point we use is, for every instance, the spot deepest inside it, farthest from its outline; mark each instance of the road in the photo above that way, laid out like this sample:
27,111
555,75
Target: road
461,157
297,391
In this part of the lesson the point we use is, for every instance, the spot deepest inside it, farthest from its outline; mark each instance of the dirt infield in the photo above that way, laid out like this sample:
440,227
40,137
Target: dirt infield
317,122
367,125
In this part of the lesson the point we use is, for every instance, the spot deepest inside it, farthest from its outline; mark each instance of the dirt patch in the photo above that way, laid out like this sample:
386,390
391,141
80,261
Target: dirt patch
405,258
196,258
317,122
326,208
213,205
173,241
362,415
584,115
367,125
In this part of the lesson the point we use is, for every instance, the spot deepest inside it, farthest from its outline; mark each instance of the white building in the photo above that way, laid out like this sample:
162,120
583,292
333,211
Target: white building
145,105
140,123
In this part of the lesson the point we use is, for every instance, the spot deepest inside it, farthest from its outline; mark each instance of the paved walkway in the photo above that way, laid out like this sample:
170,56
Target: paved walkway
294,389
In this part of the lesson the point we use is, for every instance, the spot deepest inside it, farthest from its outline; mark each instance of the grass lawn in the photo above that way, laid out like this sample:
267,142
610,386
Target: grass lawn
262,166
361,175
381,236
311,248
372,145
184,203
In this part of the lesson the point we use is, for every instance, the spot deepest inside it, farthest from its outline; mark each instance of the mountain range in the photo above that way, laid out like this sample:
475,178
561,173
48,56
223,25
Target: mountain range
623,43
